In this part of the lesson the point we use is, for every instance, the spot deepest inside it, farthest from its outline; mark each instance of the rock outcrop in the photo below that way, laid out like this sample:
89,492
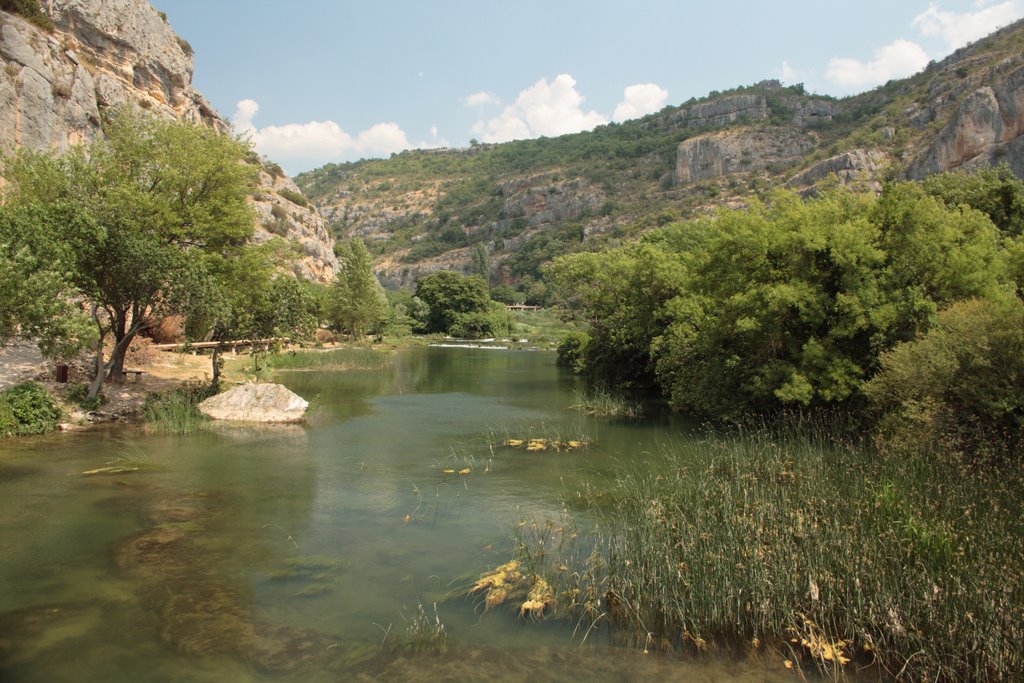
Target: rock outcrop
986,128
54,87
256,403
302,224
752,106
738,150
856,165
541,201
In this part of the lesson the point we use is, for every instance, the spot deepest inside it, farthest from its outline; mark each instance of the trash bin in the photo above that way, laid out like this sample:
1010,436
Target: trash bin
62,373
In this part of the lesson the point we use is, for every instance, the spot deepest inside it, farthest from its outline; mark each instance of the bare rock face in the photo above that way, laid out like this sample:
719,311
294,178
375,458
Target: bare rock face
541,202
752,107
720,112
256,403
855,165
734,151
985,129
278,215
112,53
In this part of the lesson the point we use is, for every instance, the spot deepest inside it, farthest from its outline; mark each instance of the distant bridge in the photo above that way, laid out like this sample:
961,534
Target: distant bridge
521,307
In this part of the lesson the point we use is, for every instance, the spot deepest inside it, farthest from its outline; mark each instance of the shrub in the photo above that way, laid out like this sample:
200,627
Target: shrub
274,169
30,10
78,394
294,197
960,385
27,409
480,324
572,351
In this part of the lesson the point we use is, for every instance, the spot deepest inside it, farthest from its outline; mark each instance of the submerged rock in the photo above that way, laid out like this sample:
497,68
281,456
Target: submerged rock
256,403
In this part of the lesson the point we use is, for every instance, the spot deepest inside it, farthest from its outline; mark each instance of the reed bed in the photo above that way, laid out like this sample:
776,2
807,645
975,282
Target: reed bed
175,411
354,358
827,555
604,403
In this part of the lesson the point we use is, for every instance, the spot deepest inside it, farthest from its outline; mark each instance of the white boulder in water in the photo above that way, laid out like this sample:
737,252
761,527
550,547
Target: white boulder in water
256,403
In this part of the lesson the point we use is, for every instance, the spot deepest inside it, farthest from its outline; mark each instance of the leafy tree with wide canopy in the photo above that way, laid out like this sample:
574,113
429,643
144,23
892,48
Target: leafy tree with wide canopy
129,220
459,305
790,302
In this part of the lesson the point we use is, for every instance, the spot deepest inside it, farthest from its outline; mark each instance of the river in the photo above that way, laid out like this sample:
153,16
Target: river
305,553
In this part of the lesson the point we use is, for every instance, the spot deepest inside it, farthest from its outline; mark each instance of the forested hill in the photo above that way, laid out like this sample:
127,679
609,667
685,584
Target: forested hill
527,201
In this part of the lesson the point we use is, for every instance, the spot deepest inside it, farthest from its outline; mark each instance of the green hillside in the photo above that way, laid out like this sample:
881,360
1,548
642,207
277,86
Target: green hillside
530,200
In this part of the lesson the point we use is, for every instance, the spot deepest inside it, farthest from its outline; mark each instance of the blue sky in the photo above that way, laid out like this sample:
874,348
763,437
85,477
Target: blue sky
335,80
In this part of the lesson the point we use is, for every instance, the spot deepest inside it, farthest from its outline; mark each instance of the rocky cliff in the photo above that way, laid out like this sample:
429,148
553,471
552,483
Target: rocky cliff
741,149
55,85
986,128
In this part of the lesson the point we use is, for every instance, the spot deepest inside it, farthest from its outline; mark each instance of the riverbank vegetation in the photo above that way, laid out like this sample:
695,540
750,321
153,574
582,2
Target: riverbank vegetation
818,552
349,358
176,411
801,304
27,409
894,317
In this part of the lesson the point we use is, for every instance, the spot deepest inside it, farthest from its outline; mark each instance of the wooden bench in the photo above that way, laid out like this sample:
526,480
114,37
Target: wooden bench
137,373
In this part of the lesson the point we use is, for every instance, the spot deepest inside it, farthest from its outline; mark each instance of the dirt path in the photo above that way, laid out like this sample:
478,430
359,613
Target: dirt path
21,361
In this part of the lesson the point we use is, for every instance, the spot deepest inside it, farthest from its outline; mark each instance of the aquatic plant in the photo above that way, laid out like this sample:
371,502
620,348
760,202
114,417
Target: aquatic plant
349,358
825,553
602,402
175,411
424,635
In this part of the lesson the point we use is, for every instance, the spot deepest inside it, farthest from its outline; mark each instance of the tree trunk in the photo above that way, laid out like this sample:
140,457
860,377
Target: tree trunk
97,380
215,383
115,366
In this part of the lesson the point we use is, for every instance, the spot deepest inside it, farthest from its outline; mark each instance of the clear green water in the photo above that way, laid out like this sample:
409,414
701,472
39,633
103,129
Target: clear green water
288,553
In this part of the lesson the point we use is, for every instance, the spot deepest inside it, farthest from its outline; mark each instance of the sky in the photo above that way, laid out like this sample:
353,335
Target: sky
323,81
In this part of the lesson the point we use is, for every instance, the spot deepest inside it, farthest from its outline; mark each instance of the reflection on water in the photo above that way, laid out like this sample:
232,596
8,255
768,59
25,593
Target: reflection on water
293,553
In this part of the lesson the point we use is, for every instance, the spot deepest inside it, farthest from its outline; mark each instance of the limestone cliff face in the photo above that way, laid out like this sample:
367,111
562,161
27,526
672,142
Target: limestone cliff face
55,85
738,150
528,205
752,107
858,165
986,128
302,225
542,201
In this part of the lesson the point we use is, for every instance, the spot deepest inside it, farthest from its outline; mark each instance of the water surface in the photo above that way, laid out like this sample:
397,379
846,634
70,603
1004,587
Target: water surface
293,553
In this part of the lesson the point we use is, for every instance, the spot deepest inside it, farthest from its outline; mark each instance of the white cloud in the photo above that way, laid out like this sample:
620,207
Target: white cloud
639,100
382,138
959,29
481,99
790,75
306,145
898,59
542,109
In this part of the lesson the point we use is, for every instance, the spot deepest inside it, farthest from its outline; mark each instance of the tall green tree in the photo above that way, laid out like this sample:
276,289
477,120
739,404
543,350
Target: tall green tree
450,298
482,262
148,200
357,302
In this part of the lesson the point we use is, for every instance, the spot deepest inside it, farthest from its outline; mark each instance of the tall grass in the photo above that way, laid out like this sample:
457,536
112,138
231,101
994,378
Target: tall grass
825,552
605,403
175,411
334,359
